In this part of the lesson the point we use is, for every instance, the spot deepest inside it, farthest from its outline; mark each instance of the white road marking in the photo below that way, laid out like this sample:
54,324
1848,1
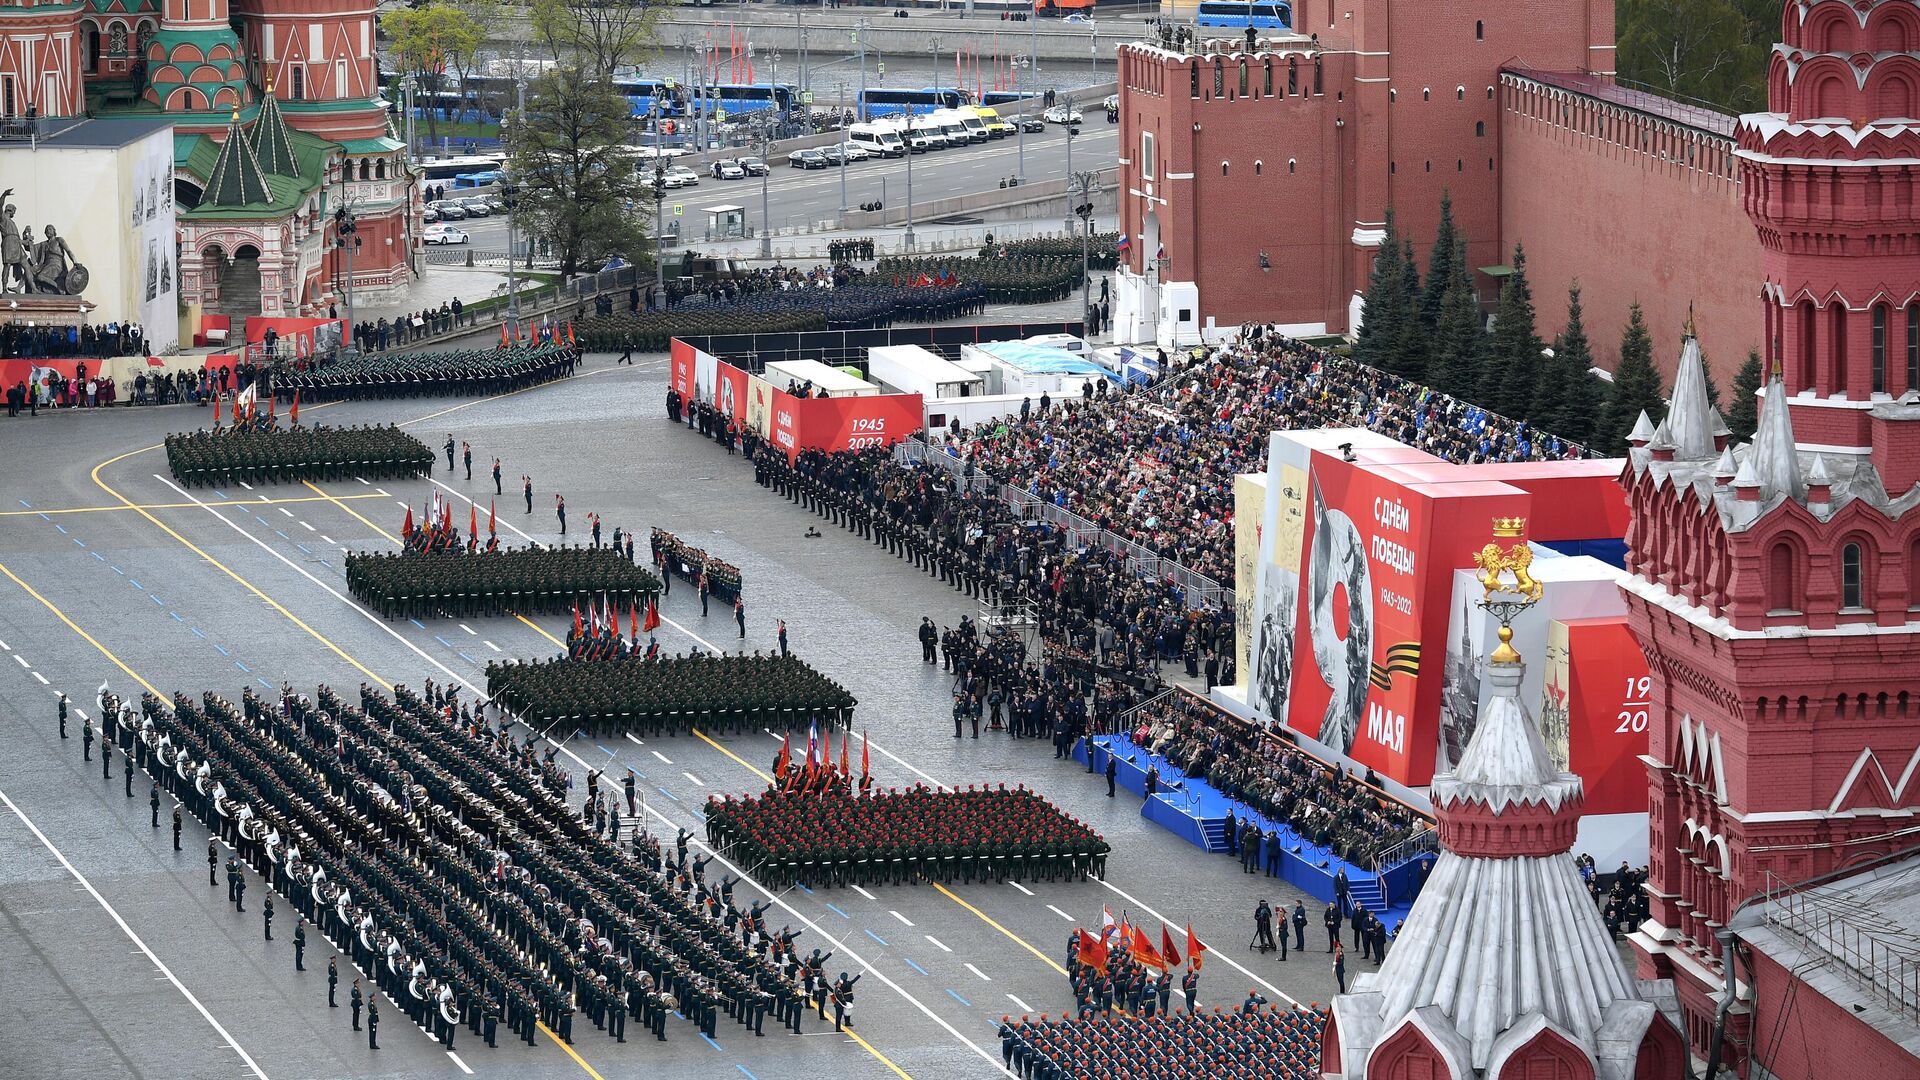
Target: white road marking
634,739
490,645
1024,1007
901,917
23,661
325,538
664,759
697,782
984,977
462,1064
246,485
308,527
286,511
1021,887
469,629
5,647
363,480
1212,952
135,938
863,892
42,678
1060,913
937,943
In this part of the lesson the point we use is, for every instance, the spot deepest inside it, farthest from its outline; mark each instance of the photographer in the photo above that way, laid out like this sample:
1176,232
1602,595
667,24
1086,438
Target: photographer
1263,927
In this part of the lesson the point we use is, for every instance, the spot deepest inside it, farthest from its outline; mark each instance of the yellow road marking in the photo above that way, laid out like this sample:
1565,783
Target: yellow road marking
223,568
1011,936
538,629
181,505
877,1055
742,762
338,501
88,638
577,1059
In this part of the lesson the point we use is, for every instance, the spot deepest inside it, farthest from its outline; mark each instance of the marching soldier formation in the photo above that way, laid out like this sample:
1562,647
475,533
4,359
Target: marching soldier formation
443,859
668,696
833,837
463,372
1254,1042
274,455
676,557
526,581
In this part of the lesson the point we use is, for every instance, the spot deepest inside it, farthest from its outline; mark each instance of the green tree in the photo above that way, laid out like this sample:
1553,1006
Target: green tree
1636,385
1507,380
1567,401
602,36
575,178
1692,48
1439,266
427,40
1460,339
1388,305
1743,418
1407,356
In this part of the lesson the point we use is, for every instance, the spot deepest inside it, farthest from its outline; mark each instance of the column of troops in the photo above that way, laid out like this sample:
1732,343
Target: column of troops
524,581
669,695
443,857
268,455
834,837
1255,1042
681,559
456,372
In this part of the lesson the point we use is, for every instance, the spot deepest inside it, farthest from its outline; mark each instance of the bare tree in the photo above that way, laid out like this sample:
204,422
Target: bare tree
602,36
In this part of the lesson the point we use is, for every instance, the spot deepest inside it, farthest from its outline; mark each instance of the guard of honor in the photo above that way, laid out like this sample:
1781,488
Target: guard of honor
462,372
526,916
288,455
528,581
724,693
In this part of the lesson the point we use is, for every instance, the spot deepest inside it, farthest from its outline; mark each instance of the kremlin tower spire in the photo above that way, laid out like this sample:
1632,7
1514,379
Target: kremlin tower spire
1503,967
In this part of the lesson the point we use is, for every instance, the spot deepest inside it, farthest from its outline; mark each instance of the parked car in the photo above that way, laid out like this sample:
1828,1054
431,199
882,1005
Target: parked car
728,169
833,155
1032,123
1079,17
1061,114
445,234
429,215
807,159
855,152
754,166
688,177
477,207
449,210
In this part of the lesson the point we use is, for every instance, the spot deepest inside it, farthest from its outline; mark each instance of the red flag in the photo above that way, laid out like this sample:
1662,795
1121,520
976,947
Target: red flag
570,332
490,527
216,408
826,749
1168,954
293,414
1142,950
270,400
503,335
1093,951
653,615
1194,948
843,753
576,618
633,621
406,527
863,754
473,521
784,762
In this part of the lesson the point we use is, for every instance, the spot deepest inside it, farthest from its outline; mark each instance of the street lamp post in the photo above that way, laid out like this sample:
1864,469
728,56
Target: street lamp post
659,186
766,222
1085,182
1073,129
347,237
840,221
513,284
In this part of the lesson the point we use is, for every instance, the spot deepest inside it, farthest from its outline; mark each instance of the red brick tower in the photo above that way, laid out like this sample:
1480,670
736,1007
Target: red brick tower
1774,584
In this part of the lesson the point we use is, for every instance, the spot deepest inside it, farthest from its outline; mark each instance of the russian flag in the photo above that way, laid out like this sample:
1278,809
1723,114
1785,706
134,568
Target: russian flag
1123,243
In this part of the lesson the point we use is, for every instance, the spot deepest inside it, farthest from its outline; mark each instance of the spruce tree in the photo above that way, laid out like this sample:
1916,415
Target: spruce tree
1408,354
1459,341
1567,402
1743,417
1507,382
1440,266
1383,321
1636,385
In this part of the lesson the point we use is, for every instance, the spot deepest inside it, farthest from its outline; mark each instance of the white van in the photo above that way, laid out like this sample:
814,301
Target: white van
877,139
924,133
953,124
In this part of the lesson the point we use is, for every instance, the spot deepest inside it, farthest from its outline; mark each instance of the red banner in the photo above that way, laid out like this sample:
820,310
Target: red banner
1594,710
298,331
680,356
1369,643
847,423
730,391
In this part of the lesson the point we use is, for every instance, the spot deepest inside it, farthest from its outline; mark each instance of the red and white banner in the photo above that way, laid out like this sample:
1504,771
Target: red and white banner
792,423
1593,710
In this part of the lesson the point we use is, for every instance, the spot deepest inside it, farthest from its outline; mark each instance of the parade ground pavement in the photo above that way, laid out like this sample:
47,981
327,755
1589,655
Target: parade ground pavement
117,960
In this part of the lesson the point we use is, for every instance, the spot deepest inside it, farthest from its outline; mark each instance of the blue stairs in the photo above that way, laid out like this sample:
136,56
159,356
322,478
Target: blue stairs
1365,891
1215,830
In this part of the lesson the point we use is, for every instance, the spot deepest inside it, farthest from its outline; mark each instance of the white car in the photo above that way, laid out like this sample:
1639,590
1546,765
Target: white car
729,169
686,176
1061,114
1080,17
444,234
855,152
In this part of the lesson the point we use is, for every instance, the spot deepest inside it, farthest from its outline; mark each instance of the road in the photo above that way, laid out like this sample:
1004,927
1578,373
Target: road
797,198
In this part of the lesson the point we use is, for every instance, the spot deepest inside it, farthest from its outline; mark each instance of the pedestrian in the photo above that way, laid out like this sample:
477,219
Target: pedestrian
560,510
496,477
740,616
782,623
466,455
626,353
449,449
266,917
1333,920
176,826
353,1002
526,487
1340,967
153,801
300,947
63,716
1113,770
703,593
213,867
86,739
1299,926
373,1022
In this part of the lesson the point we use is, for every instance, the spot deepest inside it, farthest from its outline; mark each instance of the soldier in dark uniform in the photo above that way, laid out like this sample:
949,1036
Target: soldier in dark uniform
63,716
213,868
1190,986
333,980
300,946
1333,920
353,1002
449,449
86,739
153,801
1299,926
373,1022
176,826
266,917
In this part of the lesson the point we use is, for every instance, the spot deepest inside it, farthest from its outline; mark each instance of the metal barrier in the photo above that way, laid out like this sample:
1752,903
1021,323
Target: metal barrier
1424,842
1883,963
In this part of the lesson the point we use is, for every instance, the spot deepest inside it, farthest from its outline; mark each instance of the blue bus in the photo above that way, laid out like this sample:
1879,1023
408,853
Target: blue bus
1240,14
886,102
1007,97
741,98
